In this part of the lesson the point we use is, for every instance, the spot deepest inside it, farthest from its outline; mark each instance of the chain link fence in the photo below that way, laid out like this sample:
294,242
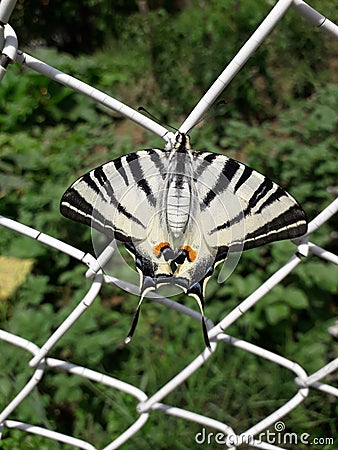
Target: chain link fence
40,361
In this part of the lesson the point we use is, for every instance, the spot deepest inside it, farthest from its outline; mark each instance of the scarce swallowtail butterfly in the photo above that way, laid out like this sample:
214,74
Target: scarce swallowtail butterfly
181,212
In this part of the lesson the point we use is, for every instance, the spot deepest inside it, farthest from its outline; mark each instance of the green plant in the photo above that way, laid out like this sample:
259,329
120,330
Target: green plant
274,123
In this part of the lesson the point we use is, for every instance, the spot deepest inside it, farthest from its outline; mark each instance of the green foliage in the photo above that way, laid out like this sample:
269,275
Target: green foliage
30,99
71,27
280,119
218,30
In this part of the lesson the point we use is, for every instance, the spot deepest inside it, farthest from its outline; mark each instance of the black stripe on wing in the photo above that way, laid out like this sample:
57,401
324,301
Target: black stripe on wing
157,157
75,207
204,164
288,225
120,169
243,178
106,185
261,191
272,198
229,170
137,172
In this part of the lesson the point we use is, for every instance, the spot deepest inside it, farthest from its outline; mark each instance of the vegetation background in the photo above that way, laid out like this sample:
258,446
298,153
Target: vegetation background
280,118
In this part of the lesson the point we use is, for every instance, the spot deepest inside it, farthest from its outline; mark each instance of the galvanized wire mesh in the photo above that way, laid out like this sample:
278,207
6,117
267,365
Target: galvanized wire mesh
147,404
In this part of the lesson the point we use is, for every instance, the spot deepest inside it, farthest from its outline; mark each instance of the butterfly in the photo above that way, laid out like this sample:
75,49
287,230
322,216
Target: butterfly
181,212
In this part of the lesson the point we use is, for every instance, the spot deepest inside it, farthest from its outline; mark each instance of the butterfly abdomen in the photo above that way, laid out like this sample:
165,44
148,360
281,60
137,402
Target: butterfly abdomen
178,183
178,204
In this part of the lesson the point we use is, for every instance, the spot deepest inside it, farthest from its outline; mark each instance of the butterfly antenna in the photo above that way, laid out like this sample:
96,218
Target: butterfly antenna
141,108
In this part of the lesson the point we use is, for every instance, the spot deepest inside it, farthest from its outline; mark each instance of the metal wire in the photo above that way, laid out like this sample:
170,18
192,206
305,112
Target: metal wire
40,361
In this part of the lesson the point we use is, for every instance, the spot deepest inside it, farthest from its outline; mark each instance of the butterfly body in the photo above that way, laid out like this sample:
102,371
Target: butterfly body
179,187
180,212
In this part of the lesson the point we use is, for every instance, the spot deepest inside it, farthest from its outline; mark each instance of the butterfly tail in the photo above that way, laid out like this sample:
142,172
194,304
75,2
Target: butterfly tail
148,284
196,291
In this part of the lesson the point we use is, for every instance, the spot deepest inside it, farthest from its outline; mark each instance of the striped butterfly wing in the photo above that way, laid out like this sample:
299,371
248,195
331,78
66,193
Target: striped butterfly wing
258,211
108,197
121,200
239,209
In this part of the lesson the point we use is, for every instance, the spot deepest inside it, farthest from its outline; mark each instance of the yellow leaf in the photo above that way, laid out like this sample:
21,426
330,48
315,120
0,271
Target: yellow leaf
13,272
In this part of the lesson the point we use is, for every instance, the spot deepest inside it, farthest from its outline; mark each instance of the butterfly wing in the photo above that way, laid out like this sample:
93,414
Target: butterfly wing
259,211
120,199
239,209
108,198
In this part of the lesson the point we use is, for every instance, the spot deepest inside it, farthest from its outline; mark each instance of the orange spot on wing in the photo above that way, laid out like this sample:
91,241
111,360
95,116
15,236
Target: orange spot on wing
191,253
159,247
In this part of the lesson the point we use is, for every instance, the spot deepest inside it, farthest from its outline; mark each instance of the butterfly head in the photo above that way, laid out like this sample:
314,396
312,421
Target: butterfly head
182,142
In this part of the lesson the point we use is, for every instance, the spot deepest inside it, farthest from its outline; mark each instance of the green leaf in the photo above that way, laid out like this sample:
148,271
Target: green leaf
326,276
34,289
276,312
296,298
